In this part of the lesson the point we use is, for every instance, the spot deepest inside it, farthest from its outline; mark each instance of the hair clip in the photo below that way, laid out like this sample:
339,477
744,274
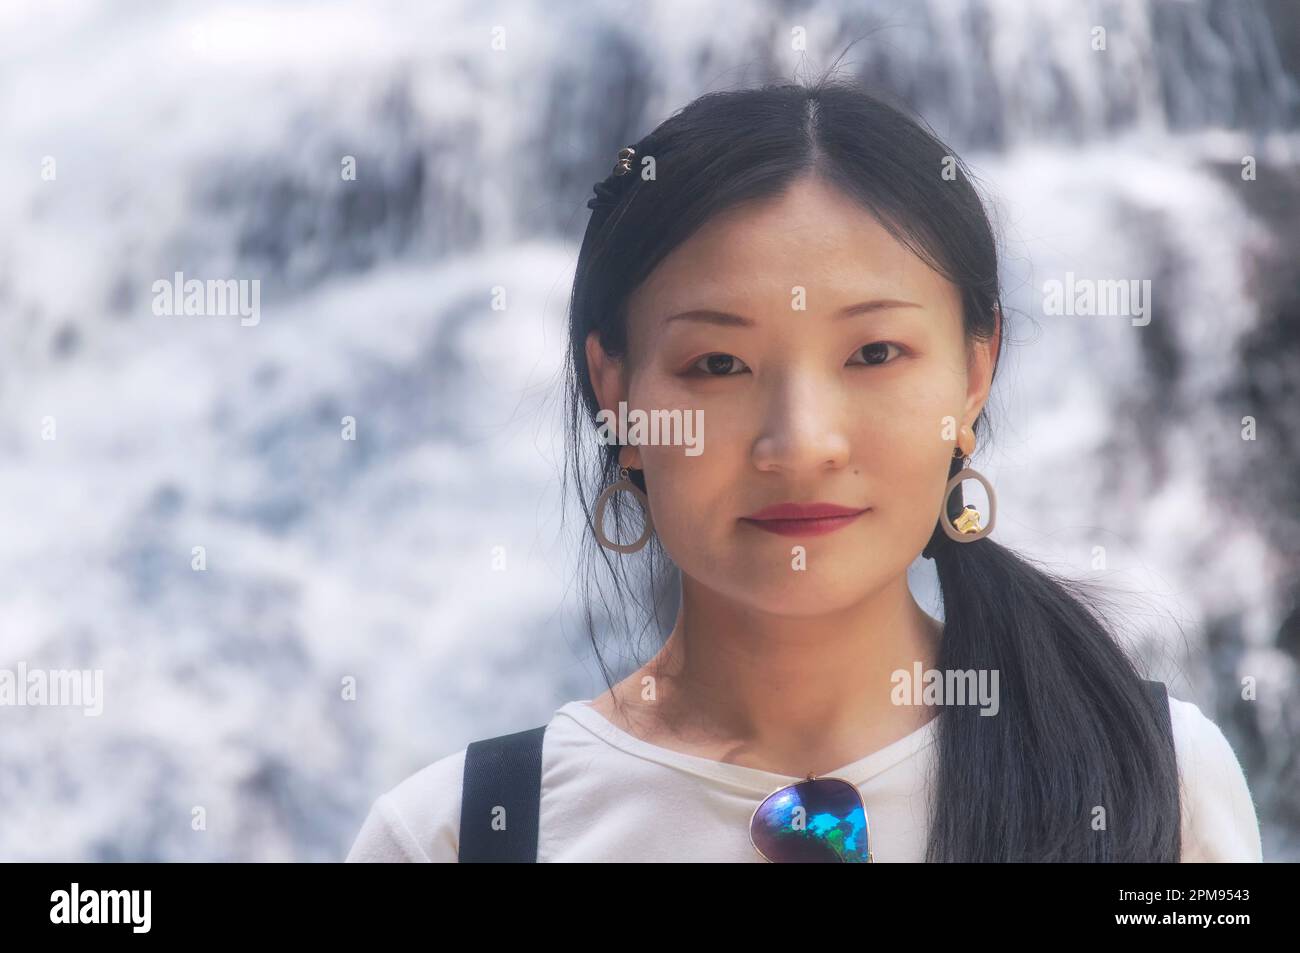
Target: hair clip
624,164
607,192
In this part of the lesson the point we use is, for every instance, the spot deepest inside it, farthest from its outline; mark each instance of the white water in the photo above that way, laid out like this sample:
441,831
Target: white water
208,139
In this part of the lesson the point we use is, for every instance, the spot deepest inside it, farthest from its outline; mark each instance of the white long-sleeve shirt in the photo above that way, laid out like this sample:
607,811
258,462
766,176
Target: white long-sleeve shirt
607,795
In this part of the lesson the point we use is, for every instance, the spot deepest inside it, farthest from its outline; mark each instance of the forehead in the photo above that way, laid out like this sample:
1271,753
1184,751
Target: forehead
813,236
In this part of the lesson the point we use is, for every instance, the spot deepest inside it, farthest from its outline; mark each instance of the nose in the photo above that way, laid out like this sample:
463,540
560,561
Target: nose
802,429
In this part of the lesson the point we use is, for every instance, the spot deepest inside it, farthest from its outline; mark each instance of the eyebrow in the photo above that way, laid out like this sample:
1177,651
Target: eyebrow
726,319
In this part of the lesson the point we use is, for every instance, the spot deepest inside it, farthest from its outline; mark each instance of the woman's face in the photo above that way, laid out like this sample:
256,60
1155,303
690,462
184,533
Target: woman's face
842,377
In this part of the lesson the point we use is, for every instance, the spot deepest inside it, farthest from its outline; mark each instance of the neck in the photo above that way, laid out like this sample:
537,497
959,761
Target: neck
794,695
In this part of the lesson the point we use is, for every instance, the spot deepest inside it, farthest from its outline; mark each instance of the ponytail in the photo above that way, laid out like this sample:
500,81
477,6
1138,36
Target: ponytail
1075,766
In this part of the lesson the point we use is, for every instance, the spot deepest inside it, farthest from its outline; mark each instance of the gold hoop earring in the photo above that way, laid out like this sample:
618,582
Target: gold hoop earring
598,519
966,527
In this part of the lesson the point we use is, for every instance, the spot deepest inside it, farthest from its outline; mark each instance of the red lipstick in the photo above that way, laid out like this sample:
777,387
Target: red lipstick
803,519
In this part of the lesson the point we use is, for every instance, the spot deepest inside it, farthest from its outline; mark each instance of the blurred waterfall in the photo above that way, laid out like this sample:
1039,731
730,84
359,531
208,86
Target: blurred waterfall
208,139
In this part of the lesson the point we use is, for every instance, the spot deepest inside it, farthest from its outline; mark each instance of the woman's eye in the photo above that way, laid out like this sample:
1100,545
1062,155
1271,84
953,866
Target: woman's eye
727,365
718,365
875,353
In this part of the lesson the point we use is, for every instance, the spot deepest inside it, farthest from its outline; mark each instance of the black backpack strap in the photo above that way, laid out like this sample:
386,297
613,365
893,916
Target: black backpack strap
1159,696
502,772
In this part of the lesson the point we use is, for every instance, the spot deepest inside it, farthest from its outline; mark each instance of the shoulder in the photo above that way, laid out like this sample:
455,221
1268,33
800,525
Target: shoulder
418,820
1219,821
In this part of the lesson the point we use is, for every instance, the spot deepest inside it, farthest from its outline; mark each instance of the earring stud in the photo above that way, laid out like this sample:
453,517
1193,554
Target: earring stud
966,527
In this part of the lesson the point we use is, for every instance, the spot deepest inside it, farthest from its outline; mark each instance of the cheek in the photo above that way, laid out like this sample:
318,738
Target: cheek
904,457
722,429
692,494
688,491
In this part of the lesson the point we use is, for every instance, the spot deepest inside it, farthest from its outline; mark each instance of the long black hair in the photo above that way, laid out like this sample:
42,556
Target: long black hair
1076,731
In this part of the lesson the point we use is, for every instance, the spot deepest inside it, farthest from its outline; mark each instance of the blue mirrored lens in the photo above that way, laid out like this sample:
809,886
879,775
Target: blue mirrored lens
817,821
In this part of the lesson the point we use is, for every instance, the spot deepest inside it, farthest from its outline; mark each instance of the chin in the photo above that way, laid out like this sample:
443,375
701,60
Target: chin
795,594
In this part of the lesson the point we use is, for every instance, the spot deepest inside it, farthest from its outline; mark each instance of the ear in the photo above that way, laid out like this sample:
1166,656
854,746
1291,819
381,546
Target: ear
983,357
609,381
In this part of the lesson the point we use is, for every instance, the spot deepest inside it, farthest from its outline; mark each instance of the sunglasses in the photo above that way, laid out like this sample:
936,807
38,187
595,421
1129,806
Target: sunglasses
814,821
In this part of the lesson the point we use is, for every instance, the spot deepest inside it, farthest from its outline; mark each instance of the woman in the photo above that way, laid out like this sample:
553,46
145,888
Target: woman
810,274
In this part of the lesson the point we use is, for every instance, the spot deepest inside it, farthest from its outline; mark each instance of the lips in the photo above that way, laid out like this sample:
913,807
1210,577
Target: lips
803,519
803,511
